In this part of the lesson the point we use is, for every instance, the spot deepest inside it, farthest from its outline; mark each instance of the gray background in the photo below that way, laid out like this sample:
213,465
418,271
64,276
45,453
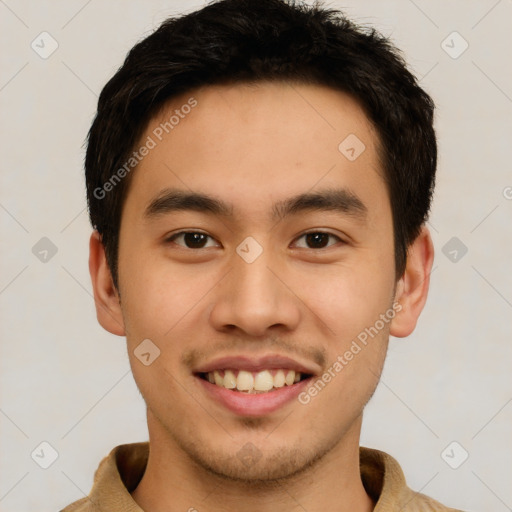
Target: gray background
67,382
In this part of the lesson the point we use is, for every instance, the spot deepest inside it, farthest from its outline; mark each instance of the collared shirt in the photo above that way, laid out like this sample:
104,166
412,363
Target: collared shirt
121,471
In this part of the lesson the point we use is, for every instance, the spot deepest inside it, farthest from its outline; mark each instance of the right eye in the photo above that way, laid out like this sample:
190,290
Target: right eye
190,239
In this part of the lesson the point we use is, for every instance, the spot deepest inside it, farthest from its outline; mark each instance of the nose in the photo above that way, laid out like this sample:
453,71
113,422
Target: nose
256,298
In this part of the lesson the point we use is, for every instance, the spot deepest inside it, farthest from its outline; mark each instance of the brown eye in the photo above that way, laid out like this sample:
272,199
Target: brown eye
318,240
190,239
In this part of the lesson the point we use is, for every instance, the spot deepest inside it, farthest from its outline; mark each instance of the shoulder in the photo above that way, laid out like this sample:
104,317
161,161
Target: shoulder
411,501
83,505
116,476
384,481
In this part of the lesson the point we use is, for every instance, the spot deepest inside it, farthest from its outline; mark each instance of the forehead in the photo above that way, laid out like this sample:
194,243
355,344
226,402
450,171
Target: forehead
259,142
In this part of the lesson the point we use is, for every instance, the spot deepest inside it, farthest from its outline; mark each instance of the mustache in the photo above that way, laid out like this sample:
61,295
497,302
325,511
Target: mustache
194,356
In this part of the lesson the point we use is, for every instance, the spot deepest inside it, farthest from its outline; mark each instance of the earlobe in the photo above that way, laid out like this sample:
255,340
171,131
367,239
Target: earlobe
412,288
106,297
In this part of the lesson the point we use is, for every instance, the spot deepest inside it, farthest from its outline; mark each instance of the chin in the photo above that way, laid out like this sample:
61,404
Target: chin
253,467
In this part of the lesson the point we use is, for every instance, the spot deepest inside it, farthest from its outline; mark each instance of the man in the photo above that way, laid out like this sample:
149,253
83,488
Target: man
259,175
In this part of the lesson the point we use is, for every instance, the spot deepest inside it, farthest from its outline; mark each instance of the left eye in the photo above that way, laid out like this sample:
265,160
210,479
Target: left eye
191,239
317,239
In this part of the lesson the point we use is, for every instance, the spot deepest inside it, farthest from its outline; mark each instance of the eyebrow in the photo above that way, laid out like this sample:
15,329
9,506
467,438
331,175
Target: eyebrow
332,199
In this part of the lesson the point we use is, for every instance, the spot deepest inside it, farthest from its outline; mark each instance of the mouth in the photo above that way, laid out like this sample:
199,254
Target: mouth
252,382
254,387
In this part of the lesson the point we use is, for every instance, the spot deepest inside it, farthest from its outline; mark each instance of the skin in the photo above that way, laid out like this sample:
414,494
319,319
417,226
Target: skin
252,146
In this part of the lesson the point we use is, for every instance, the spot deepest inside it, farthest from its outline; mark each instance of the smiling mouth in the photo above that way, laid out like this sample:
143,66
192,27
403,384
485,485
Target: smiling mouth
251,382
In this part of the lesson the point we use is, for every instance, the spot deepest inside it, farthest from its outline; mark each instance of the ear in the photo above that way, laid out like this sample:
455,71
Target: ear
412,287
106,296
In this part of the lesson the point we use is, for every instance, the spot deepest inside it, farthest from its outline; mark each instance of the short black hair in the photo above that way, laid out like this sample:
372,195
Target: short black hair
237,41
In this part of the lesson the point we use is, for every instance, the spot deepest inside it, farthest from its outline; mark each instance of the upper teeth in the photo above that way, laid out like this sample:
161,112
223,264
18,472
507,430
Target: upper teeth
252,382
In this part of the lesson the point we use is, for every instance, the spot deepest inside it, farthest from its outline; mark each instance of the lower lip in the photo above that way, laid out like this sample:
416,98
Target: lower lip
255,404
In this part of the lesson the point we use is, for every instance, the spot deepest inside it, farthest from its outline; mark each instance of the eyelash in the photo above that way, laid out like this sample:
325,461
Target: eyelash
173,237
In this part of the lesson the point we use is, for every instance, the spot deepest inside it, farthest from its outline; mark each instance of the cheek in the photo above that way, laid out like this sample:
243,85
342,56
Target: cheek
347,298
159,297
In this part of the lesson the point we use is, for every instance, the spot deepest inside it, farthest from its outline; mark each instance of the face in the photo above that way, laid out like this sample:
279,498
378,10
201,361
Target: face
253,246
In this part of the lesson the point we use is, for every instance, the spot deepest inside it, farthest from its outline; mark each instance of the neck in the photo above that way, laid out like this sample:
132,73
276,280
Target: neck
174,482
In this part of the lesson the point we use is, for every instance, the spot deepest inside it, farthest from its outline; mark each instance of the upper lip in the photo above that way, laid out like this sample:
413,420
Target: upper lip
255,364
